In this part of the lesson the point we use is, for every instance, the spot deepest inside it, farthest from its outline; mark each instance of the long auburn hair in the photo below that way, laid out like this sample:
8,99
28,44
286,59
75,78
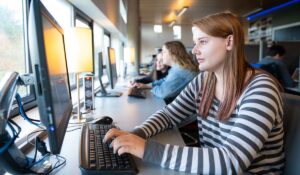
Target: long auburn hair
180,56
235,66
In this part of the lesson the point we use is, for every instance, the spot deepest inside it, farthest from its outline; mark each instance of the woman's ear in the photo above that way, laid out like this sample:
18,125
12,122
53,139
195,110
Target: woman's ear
229,42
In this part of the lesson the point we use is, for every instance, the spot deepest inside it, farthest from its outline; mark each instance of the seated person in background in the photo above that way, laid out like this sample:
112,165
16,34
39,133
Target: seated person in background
159,71
183,70
238,108
275,56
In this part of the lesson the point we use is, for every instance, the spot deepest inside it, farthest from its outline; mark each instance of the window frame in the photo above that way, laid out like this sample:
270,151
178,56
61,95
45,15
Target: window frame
28,101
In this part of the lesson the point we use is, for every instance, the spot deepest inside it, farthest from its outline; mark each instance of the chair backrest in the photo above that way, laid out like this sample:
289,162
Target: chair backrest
274,70
291,108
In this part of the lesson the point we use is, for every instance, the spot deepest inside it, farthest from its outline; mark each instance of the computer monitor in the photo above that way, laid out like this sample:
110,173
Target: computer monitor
111,71
111,68
295,75
100,64
47,53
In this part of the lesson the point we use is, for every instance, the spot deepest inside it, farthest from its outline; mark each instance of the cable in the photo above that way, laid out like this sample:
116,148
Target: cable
74,126
23,113
27,137
34,157
58,164
79,123
41,146
15,133
73,129
60,161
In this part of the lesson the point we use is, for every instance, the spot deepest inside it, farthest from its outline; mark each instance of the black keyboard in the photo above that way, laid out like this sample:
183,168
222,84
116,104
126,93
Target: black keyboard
97,158
137,92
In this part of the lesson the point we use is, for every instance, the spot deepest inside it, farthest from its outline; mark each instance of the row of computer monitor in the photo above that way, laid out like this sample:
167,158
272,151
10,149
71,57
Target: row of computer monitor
48,57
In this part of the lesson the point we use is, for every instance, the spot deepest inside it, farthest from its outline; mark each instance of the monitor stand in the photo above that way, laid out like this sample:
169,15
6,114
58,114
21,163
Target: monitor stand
85,116
103,93
108,94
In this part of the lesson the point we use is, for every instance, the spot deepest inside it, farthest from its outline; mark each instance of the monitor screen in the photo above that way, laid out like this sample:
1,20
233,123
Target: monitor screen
100,64
111,67
47,53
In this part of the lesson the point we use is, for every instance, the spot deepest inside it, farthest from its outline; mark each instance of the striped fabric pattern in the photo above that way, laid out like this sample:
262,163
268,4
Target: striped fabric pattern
251,141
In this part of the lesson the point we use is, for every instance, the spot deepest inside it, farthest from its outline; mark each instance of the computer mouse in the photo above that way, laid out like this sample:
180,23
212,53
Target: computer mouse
105,120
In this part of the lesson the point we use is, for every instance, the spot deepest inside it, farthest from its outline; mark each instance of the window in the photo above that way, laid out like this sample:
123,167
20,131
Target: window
12,51
158,28
11,37
123,11
80,20
98,46
177,32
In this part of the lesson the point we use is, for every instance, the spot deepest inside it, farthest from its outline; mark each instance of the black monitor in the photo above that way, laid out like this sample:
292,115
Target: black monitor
100,64
111,71
111,67
47,53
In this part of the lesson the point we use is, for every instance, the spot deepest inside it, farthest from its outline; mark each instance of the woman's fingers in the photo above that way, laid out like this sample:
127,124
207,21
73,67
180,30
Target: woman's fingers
112,133
129,144
123,149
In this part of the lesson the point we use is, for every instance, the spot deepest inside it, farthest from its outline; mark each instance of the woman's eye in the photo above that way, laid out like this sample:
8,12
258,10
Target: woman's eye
203,42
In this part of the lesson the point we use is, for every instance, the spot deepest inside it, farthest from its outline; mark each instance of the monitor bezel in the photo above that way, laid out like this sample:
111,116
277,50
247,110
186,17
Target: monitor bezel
56,132
109,68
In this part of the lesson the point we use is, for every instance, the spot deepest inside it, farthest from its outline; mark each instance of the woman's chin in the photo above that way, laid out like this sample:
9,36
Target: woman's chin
202,67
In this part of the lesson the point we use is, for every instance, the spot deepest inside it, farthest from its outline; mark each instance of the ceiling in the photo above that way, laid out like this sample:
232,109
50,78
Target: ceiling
164,11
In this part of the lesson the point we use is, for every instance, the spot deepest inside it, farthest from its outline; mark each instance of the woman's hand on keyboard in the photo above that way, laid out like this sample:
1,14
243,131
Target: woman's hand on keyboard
142,86
125,142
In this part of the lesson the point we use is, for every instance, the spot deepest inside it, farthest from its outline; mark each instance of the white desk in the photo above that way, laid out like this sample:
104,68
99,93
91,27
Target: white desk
127,112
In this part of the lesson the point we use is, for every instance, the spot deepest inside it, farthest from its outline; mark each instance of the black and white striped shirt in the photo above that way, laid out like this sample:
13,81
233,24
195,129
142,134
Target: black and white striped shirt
251,141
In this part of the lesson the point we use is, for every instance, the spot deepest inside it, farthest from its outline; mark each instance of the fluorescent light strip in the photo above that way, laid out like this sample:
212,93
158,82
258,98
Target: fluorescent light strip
181,12
251,17
172,23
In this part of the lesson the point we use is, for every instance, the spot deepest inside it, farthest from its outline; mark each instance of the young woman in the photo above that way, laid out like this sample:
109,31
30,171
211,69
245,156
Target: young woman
239,111
160,71
183,70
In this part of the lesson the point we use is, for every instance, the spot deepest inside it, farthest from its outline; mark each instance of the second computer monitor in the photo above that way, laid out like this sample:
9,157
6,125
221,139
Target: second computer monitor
111,71
111,67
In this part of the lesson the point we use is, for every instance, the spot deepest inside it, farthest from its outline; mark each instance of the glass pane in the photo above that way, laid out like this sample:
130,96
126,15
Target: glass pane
11,36
79,23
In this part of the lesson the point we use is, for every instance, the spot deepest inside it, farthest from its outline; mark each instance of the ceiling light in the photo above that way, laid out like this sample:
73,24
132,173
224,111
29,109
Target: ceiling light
182,11
172,23
158,28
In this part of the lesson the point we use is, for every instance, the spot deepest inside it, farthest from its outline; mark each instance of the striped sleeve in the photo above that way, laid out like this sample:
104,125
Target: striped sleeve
260,108
173,114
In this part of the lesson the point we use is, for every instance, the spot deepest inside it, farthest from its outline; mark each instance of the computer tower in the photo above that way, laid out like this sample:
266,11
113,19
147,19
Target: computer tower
88,84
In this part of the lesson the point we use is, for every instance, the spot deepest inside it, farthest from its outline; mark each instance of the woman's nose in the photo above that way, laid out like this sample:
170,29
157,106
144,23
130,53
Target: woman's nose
195,50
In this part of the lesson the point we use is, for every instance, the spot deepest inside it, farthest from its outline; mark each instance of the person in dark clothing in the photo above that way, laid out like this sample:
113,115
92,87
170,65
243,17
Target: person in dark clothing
160,71
273,63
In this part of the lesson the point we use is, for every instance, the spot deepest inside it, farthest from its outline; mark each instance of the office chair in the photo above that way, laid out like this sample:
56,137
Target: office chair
291,109
274,70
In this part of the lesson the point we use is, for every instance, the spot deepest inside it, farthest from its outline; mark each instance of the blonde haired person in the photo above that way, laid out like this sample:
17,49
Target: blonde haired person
239,111
183,70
